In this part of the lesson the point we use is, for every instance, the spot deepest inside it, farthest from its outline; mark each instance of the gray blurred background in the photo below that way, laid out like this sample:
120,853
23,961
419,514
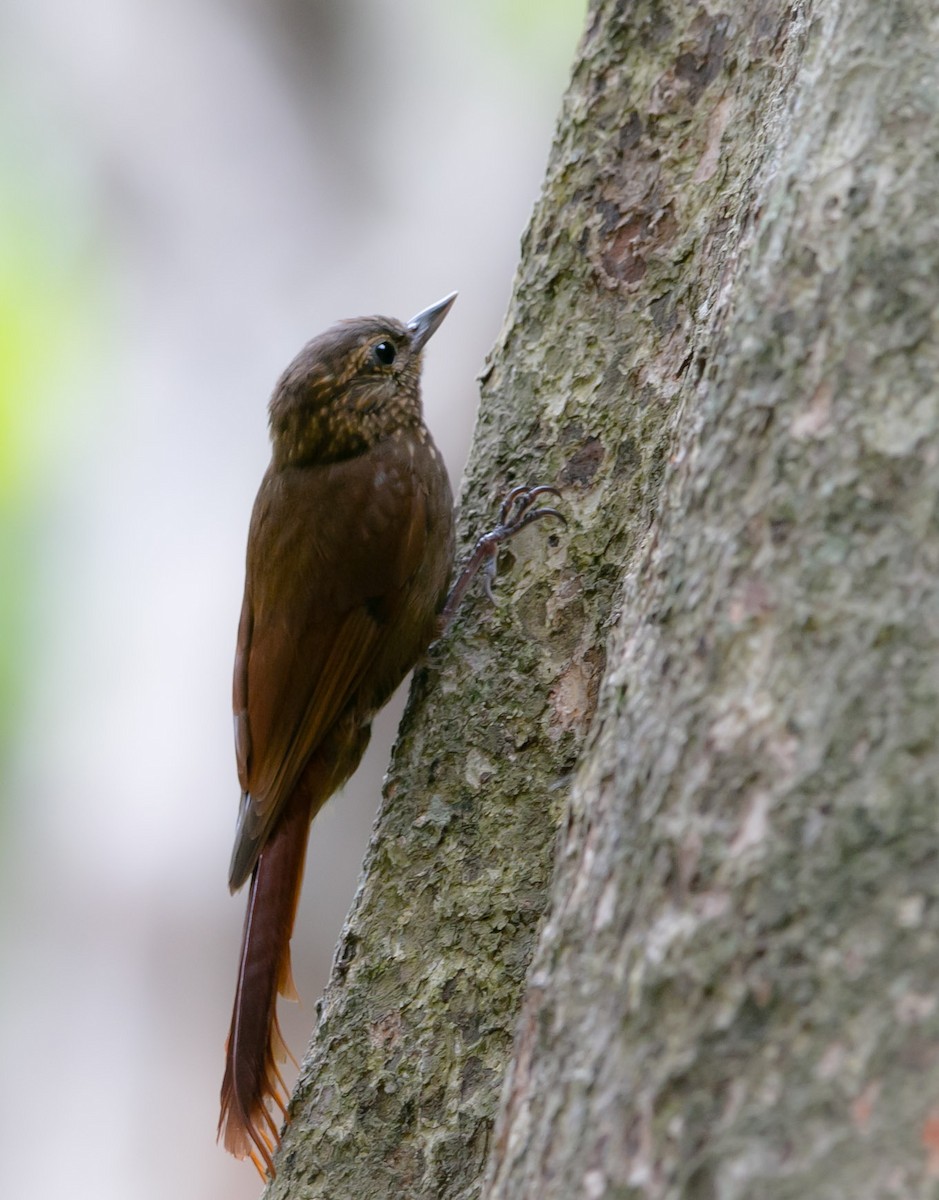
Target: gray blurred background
188,192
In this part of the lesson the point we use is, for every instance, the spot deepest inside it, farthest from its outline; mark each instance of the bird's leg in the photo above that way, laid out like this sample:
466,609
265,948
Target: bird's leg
519,508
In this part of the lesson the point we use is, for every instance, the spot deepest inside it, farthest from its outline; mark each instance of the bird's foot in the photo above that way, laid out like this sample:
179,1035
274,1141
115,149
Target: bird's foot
519,508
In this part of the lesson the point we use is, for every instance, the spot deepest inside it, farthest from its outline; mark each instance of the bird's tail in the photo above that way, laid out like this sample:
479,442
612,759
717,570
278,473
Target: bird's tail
255,1045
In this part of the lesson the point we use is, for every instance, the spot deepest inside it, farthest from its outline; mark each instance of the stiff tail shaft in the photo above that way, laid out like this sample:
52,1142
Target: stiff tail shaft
255,1045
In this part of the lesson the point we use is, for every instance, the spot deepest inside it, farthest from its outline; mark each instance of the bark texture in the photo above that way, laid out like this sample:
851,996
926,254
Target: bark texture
722,343
735,994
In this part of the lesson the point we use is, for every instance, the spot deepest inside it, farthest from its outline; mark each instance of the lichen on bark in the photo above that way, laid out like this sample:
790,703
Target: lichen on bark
734,995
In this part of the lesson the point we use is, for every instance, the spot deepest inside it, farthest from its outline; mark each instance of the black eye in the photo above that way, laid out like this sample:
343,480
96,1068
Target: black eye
385,353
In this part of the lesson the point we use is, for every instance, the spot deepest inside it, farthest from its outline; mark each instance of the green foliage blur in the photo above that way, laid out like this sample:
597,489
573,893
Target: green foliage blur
45,306
536,32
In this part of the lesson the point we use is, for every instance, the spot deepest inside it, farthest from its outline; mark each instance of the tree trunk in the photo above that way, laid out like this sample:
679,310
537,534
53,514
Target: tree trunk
722,344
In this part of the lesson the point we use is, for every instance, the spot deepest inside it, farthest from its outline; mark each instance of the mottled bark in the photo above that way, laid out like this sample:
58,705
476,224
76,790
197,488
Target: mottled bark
735,994
722,343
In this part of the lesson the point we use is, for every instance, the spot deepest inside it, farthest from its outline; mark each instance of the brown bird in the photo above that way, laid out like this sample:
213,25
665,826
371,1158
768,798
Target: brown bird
350,551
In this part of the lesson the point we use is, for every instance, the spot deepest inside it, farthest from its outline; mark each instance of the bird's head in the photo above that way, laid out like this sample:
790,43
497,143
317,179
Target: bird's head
351,387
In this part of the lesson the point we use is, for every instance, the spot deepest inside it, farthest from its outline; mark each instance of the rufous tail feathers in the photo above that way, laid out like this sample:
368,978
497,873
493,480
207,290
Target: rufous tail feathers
255,1045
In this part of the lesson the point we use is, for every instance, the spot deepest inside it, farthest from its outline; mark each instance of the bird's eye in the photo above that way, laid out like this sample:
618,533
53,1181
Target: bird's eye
385,353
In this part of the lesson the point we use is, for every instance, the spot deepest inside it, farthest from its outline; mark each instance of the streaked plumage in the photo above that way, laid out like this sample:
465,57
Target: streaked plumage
349,557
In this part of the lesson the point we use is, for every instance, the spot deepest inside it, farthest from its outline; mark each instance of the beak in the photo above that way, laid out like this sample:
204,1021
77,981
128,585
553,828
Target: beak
425,323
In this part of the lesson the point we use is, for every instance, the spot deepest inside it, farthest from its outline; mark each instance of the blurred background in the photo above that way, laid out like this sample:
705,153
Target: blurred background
188,192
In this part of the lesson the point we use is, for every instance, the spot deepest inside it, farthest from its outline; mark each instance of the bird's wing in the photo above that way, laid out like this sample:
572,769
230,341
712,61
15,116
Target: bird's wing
330,552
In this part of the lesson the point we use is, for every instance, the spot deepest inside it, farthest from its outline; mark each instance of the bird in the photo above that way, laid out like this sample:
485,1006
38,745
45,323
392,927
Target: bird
348,565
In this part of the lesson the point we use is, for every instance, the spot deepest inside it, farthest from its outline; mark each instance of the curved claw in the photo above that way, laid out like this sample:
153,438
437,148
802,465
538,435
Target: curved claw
517,510
527,497
534,515
510,500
